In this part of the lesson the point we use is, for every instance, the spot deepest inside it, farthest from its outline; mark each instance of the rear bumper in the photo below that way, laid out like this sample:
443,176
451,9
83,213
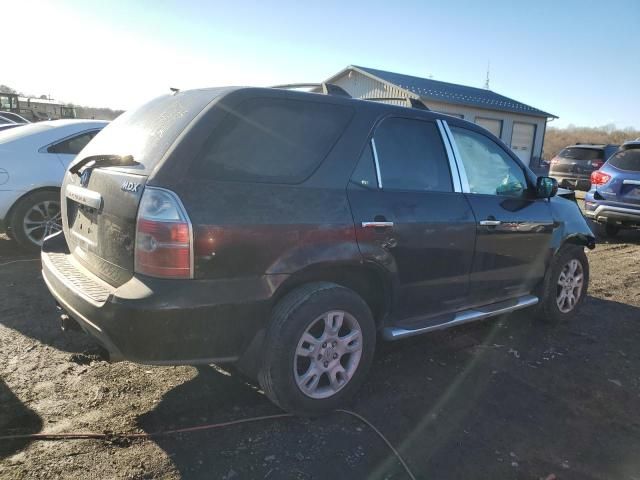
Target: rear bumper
579,182
156,321
614,214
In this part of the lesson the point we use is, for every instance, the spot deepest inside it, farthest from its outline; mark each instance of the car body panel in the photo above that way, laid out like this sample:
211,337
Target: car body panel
254,241
618,200
510,258
25,160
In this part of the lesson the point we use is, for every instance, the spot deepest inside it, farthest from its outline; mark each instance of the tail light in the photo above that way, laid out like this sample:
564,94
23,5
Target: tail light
599,178
597,163
164,242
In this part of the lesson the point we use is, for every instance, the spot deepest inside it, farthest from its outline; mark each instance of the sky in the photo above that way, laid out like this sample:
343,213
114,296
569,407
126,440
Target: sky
579,60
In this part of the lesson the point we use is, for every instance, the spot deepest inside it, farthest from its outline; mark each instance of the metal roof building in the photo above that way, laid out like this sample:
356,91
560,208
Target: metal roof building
520,126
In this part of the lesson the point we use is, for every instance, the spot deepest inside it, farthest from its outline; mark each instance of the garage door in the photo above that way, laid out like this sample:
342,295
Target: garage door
491,124
522,140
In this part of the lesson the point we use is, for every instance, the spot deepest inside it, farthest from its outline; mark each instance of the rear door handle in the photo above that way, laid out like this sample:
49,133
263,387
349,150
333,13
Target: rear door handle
377,224
490,223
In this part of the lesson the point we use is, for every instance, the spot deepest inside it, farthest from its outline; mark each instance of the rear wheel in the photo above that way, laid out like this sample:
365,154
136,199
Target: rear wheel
35,217
318,349
564,286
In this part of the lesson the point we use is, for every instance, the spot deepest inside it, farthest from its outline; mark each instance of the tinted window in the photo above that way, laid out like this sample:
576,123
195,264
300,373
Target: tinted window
626,160
147,132
411,156
490,170
73,145
365,172
575,153
273,140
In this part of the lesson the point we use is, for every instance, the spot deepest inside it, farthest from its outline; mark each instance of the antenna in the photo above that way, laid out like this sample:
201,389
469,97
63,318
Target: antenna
486,82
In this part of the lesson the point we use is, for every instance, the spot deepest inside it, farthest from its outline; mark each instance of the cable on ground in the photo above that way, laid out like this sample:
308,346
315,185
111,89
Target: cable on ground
210,426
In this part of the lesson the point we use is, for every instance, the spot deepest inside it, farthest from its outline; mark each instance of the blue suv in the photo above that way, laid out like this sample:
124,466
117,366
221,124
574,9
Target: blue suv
614,199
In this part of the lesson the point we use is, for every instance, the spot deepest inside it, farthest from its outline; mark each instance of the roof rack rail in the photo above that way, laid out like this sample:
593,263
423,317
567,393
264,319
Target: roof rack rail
327,88
411,102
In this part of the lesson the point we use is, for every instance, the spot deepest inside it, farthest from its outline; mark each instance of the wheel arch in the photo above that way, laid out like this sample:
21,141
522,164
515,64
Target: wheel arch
367,280
9,216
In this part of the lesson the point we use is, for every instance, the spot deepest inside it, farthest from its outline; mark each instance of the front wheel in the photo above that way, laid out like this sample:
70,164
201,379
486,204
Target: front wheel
564,286
318,349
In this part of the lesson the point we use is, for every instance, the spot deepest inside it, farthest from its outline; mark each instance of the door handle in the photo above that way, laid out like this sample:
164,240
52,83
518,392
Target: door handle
490,223
377,224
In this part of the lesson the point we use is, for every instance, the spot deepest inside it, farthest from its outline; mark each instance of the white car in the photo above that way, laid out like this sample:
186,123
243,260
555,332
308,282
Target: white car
33,159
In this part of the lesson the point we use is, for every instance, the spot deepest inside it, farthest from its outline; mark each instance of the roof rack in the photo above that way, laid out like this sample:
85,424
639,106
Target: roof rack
327,88
411,102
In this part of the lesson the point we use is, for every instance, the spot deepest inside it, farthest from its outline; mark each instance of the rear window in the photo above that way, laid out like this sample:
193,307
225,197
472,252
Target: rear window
148,131
272,140
577,153
626,160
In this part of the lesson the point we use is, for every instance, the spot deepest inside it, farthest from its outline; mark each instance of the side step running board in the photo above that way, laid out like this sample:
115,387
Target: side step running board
465,316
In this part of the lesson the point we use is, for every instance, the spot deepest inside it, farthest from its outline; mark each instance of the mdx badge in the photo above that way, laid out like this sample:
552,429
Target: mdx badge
129,186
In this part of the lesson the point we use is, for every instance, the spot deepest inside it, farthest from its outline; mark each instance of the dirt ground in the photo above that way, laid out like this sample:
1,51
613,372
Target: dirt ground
500,399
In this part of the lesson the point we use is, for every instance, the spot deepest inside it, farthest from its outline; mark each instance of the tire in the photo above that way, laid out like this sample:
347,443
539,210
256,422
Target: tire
608,230
549,308
307,311
34,217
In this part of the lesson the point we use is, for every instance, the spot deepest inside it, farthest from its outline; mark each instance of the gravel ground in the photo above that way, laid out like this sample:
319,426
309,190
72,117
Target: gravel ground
505,398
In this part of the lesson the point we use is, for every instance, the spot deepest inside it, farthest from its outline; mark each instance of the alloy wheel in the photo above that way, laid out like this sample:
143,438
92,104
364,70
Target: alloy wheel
328,354
41,220
569,288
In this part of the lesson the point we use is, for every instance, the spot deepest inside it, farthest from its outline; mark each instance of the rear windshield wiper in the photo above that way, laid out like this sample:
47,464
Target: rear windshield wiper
104,161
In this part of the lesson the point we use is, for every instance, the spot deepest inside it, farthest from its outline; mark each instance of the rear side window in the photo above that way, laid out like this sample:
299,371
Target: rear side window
626,160
411,156
576,153
272,140
73,145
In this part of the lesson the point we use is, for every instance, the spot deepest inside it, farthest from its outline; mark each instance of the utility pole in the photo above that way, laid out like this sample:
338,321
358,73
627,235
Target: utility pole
486,82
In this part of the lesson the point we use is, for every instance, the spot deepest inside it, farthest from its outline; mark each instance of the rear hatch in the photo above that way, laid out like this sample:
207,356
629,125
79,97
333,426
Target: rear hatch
103,186
624,186
577,161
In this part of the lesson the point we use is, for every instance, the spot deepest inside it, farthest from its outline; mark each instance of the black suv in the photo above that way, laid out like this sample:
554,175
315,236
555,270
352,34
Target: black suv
573,165
284,231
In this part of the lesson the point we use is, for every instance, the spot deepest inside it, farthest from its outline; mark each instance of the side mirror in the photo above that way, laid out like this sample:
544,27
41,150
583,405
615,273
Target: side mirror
546,187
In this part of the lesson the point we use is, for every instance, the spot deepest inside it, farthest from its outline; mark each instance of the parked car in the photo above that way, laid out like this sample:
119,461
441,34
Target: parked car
33,159
573,165
7,126
14,117
285,231
614,199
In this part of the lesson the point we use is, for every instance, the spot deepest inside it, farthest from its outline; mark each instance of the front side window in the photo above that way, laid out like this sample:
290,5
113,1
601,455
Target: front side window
490,170
411,156
73,145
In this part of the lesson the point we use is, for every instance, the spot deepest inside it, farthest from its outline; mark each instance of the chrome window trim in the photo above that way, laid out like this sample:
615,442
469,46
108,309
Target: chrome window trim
453,166
377,163
464,181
